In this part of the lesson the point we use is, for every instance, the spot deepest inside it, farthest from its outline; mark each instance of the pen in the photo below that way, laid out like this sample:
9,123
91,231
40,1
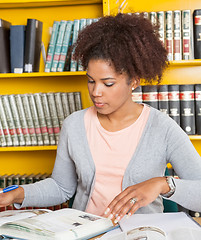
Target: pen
9,188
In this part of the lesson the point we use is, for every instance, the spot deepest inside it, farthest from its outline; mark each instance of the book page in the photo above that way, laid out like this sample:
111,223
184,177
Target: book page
185,233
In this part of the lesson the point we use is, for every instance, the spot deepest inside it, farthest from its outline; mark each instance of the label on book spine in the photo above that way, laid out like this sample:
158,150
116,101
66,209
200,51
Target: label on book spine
174,102
169,34
150,95
163,102
177,35
137,95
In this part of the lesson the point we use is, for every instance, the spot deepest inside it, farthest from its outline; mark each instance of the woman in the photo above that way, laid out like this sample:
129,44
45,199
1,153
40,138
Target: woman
113,155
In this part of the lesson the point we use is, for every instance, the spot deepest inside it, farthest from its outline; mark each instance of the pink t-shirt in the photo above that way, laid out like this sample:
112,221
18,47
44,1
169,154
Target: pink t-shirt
111,152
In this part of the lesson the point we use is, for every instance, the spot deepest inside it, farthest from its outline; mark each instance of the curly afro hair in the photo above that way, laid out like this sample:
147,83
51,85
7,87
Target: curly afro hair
129,41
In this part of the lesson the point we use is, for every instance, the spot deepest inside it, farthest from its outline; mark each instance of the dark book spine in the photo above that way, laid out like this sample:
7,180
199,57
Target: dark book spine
174,102
38,43
163,102
150,95
198,108
197,33
137,94
187,101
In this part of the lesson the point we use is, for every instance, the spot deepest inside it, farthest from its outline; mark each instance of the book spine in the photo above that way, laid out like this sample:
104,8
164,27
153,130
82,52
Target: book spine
78,101
4,123
198,108
2,136
146,15
150,95
51,47
38,44
53,113
10,120
16,119
161,30
35,117
137,94
58,45
187,35
187,108
65,46
29,119
174,102
177,41
71,101
65,104
153,18
89,21
17,38
41,118
169,34
73,64
197,33
48,118
163,102
83,23
59,107
22,117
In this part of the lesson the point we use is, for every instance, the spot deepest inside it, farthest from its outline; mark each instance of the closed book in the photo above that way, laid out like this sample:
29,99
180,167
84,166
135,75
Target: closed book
33,40
59,107
71,101
150,95
83,23
4,46
65,104
161,21
198,108
78,101
65,46
177,40
197,33
2,136
17,41
76,25
187,103
163,102
153,17
58,45
51,47
137,94
187,35
169,34
174,102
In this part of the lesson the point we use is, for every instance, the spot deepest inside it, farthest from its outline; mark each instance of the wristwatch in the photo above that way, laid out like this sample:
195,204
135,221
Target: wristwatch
171,184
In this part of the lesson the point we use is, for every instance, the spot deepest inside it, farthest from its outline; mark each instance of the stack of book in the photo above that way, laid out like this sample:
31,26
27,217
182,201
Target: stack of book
35,119
180,102
20,46
21,179
63,36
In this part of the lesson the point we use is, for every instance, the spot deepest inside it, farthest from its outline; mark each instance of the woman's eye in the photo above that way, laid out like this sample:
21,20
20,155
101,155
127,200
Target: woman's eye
109,84
90,81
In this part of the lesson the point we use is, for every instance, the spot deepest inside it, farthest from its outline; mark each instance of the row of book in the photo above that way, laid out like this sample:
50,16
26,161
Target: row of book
21,179
20,46
179,31
180,102
35,119
64,34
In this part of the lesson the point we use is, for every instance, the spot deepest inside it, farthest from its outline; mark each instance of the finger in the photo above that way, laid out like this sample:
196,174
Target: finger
138,204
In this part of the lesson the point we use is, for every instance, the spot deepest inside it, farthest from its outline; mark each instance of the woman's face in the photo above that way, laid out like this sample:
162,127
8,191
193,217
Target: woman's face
108,89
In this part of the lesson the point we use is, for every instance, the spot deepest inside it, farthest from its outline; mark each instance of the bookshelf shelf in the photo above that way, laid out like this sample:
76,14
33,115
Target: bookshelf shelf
29,148
182,63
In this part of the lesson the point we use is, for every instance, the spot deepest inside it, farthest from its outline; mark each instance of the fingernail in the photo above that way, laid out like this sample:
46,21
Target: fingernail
111,216
107,211
127,216
116,215
117,219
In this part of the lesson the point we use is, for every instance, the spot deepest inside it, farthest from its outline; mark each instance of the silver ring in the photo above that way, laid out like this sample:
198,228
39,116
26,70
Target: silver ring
133,200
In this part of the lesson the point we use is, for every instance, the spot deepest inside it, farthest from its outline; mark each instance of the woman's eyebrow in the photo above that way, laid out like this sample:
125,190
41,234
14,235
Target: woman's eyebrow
107,78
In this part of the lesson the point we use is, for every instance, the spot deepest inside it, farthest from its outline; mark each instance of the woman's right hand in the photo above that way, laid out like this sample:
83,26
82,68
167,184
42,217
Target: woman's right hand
14,196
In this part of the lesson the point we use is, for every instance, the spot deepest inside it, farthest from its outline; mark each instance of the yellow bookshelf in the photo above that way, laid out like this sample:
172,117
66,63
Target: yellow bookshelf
41,158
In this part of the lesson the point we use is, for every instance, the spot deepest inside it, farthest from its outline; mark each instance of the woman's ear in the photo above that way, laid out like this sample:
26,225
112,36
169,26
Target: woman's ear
135,83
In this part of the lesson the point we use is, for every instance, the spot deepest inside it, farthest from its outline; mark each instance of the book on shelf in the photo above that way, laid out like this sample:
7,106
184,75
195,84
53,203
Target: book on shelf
187,35
197,33
150,95
198,108
174,102
187,104
71,101
51,46
61,224
65,104
169,34
78,101
161,22
58,45
163,101
41,118
177,40
76,26
59,108
157,226
33,40
137,94
65,46
17,41
4,46
83,23
2,136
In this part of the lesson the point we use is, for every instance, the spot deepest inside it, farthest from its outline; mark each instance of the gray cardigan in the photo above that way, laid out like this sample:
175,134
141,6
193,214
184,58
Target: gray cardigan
162,142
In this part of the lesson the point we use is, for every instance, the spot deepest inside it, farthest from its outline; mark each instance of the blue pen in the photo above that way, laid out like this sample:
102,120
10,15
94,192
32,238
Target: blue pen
9,188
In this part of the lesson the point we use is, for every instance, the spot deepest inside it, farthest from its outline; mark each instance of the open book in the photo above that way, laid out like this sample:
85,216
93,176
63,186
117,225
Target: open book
62,224
159,226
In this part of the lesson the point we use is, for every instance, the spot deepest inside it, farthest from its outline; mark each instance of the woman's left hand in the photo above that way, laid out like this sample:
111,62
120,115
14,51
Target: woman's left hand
135,197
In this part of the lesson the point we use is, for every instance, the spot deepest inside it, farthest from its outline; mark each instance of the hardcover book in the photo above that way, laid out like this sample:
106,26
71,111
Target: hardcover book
163,102
198,108
150,95
65,104
4,46
59,107
76,25
177,40
197,33
174,102
169,34
137,94
187,103
161,21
